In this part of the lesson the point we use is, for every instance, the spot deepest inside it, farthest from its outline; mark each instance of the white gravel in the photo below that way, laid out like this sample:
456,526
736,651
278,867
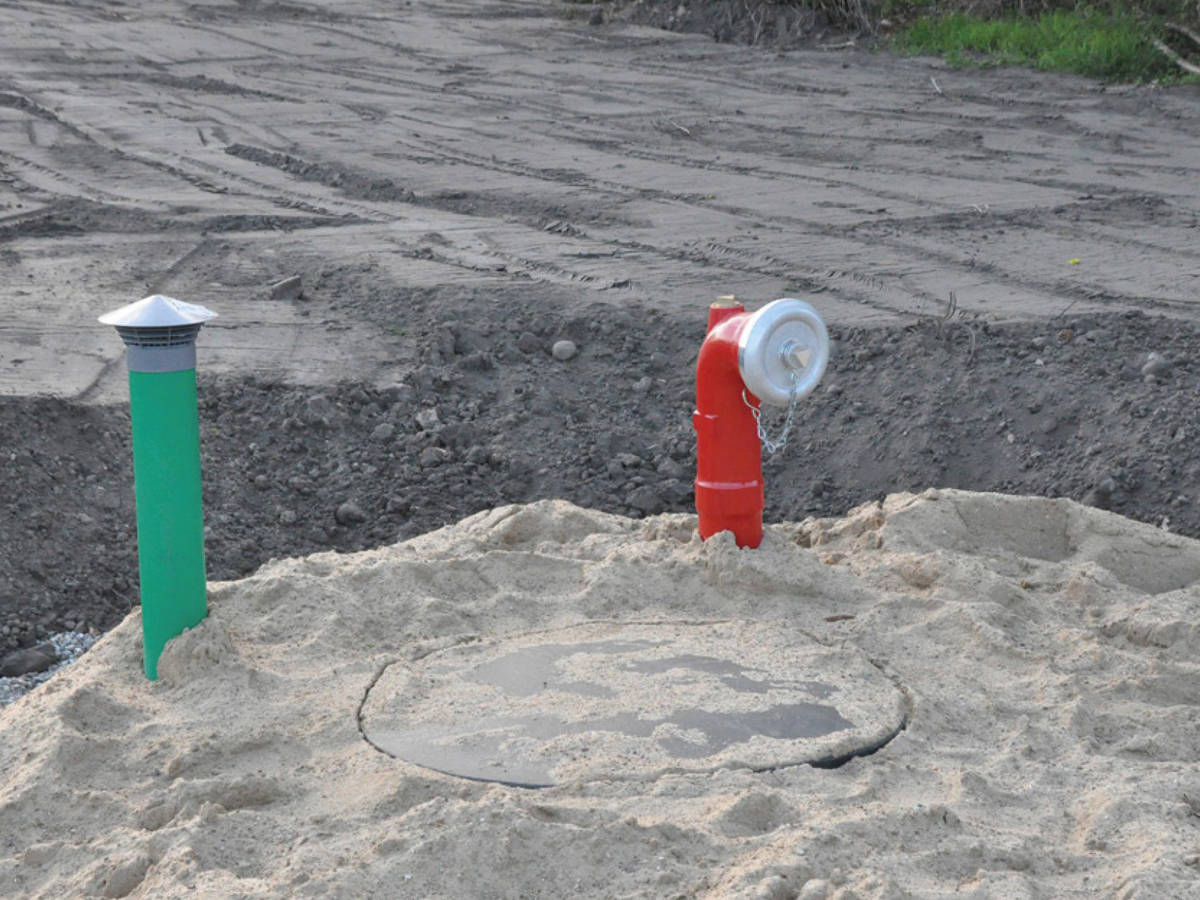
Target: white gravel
69,645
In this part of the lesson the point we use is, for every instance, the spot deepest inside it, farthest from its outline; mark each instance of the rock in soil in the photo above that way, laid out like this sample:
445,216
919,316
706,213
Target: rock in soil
564,350
287,289
350,513
28,660
1156,365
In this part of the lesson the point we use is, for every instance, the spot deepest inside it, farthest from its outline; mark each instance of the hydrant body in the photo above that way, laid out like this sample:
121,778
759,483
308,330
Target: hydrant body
778,354
729,480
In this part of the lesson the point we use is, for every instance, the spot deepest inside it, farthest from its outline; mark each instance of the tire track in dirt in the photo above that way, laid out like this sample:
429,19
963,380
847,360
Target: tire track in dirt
67,186
487,141
718,256
1065,218
552,112
384,193
194,84
899,300
863,288
1104,296
28,105
548,110
77,216
299,200
589,140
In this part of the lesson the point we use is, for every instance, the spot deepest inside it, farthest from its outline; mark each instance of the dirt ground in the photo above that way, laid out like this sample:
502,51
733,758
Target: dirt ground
459,185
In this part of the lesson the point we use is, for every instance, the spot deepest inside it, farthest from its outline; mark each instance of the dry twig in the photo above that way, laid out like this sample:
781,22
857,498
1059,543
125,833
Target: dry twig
1186,32
664,123
953,316
1175,57
756,16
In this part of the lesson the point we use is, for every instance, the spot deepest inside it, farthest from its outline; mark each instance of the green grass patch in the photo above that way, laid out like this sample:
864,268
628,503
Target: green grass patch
1112,45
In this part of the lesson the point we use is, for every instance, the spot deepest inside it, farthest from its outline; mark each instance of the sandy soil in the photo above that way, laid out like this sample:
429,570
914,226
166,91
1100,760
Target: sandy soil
1046,650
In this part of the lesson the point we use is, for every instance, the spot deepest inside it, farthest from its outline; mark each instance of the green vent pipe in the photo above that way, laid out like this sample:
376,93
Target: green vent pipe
160,341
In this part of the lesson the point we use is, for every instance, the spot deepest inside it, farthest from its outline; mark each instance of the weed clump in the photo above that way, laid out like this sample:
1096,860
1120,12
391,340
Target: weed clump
1117,44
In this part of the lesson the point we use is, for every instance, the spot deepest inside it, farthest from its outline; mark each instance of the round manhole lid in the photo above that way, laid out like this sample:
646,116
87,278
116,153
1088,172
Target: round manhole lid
603,700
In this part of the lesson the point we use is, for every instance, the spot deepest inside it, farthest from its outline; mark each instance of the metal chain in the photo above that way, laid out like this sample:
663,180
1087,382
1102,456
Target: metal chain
774,446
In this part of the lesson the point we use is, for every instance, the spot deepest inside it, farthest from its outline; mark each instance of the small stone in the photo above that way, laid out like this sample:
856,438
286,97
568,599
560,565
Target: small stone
1156,365
428,418
774,887
564,350
287,517
350,513
31,659
1039,343
596,17
479,361
398,505
383,431
814,889
127,876
643,384
668,467
288,289
1107,487
319,410
676,492
528,342
433,456
645,498
262,482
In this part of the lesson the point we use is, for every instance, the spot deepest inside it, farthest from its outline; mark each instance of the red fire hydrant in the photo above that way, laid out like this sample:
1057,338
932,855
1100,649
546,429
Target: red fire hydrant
775,355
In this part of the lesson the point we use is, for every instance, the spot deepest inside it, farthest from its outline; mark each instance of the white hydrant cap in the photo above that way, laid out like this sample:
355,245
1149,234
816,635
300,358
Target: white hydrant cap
783,351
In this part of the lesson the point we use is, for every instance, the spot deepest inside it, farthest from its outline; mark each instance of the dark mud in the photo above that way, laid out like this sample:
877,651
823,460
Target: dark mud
1056,409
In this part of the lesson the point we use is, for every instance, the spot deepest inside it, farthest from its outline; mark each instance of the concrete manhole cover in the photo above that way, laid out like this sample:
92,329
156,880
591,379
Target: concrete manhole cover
602,700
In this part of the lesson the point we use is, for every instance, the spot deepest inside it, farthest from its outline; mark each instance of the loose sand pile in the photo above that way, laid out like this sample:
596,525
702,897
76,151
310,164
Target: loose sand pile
1047,651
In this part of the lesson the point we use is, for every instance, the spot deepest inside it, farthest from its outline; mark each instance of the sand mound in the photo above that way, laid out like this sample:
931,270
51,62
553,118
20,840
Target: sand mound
1047,651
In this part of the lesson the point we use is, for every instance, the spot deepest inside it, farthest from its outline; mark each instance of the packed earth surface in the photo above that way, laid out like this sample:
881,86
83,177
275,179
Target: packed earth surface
462,255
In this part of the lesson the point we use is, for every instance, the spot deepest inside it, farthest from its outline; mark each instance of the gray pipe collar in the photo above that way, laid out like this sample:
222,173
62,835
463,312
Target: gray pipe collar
159,333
